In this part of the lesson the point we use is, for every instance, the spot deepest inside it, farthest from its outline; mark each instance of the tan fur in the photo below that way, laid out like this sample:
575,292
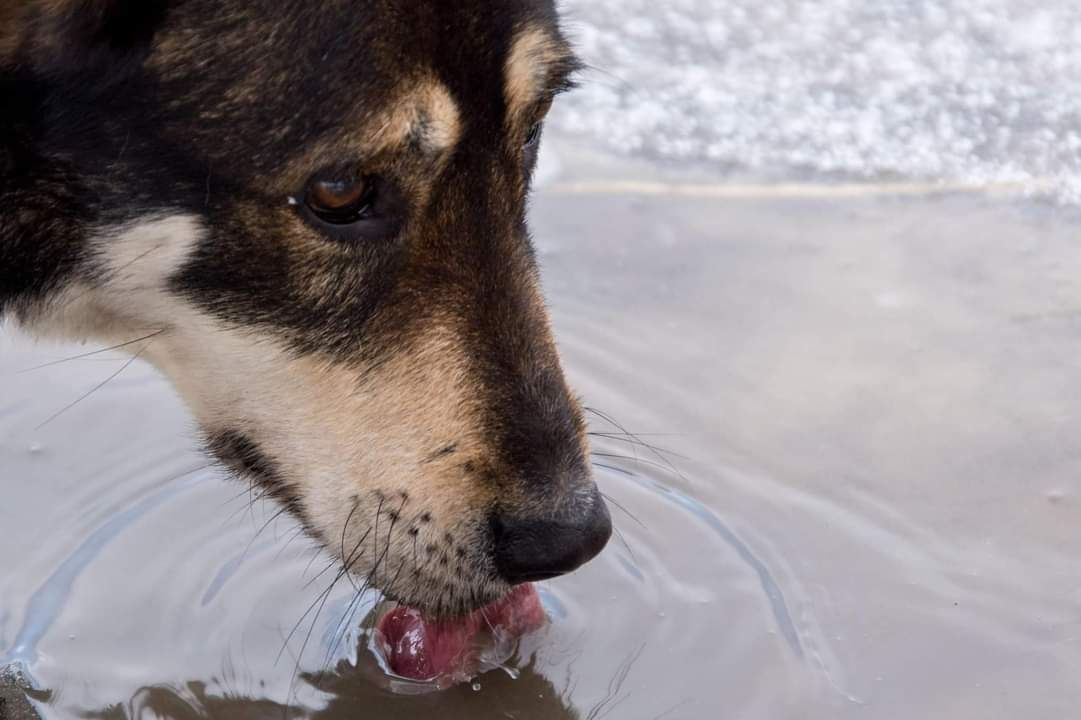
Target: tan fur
534,52
425,120
394,384
342,435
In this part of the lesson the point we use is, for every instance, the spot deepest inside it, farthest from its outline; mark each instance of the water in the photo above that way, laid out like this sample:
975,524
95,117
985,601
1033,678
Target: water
863,492
866,504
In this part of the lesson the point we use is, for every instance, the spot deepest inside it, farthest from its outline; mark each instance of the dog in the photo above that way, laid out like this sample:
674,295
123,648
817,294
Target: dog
311,217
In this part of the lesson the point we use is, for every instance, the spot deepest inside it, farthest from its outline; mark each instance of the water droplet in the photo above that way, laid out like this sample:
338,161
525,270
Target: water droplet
476,687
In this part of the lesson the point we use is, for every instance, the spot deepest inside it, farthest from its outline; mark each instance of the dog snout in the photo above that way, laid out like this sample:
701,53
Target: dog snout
528,549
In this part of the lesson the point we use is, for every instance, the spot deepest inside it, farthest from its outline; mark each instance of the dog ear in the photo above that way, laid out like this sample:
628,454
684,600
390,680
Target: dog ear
95,40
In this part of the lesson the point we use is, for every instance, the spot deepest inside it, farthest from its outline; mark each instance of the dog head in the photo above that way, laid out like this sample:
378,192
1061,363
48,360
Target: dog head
311,217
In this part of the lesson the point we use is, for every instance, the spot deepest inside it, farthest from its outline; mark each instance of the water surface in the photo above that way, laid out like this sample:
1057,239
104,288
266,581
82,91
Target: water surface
866,504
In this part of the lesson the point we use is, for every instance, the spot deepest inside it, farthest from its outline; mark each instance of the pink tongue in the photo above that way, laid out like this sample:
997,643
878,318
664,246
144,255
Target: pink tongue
422,649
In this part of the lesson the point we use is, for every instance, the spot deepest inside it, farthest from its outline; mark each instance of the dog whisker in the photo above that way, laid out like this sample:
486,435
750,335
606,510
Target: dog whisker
331,563
345,526
652,448
321,596
321,599
613,433
636,441
298,532
94,389
629,514
263,494
259,532
341,629
345,562
92,353
627,546
343,624
375,535
347,619
373,575
632,458
324,595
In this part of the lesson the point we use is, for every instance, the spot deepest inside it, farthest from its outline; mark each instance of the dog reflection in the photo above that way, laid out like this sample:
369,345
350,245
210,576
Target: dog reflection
352,695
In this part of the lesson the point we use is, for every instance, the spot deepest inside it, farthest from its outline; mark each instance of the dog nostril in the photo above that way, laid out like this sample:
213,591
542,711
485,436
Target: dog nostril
528,550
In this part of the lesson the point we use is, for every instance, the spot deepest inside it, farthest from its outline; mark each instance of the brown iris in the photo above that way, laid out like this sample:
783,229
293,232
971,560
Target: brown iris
339,201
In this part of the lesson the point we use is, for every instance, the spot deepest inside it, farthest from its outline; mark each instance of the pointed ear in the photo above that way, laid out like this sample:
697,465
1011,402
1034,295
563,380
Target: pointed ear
91,39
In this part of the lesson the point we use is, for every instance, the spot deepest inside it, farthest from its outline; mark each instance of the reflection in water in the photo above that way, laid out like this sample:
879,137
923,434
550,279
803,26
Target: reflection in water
191,702
530,695
350,694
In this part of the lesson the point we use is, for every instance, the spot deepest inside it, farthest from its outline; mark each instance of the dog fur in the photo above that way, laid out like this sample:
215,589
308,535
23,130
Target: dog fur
393,382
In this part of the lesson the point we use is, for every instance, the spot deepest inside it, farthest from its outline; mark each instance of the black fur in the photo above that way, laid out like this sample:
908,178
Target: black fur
242,455
114,110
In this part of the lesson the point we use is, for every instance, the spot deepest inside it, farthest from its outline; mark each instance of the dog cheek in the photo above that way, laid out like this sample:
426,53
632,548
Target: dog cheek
384,430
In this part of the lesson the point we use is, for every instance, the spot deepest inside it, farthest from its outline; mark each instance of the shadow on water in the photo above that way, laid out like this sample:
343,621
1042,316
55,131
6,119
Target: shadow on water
349,693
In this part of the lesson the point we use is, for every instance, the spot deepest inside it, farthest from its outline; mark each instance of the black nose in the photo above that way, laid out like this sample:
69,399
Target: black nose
528,549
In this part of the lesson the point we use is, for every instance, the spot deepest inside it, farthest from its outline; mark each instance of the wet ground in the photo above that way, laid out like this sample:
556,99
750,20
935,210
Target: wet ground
853,488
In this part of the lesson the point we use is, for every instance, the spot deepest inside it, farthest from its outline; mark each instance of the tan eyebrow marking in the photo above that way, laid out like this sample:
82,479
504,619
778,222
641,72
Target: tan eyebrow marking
530,63
424,117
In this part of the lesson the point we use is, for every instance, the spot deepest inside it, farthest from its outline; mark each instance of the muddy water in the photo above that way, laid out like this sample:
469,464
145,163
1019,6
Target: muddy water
852,490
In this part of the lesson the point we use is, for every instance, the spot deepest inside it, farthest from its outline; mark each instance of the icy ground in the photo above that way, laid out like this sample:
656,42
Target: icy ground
958,91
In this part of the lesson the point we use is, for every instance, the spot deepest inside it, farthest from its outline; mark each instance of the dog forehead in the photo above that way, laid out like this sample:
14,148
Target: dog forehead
280,84
344,42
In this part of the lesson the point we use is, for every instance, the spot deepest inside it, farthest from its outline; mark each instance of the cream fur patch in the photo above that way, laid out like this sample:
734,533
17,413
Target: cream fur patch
352,442
126,294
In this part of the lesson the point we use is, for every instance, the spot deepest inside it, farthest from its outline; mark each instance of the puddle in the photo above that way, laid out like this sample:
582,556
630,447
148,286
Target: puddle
838,439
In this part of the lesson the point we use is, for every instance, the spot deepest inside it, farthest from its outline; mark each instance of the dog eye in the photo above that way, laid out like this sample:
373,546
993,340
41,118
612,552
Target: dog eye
533,136
340,201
